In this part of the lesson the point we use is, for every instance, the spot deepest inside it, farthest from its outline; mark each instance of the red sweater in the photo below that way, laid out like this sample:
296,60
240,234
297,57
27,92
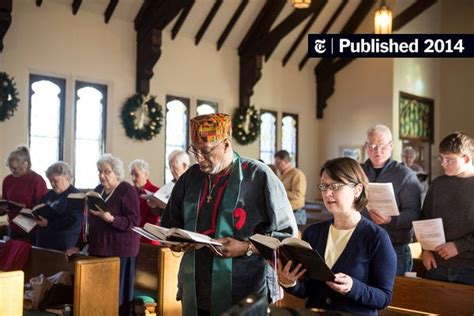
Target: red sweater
146,214
27,189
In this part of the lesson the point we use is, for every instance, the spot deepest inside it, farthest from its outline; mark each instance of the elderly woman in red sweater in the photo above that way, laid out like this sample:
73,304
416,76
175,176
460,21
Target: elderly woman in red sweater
140,171
110,233
23,186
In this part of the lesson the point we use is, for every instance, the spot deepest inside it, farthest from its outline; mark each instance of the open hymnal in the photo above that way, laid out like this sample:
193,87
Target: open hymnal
94,201
26,219
161,196
296,250
10,205
174,236
382,199
429,233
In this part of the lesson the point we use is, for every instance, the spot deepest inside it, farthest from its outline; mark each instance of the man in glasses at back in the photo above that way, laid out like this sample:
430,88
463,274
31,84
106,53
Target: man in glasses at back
229,198
381,168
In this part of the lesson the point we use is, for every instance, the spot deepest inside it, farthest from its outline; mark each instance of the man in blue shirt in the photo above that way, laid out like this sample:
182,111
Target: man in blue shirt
381,168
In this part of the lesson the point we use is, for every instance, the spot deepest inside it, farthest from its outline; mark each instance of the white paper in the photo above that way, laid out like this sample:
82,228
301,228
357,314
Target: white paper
164,193
382,199
429,233
26,223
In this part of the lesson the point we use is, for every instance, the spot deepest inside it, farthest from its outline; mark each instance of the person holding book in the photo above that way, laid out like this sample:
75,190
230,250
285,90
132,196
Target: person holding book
110,231
358,251
140,171
229,198
60,221
23,186
450,197
381,168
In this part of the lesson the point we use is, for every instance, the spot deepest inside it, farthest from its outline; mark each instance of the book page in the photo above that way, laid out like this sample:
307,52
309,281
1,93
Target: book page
296,242
191,236
25,223
382,199
268,241
150,236
429,233
164,193
158,231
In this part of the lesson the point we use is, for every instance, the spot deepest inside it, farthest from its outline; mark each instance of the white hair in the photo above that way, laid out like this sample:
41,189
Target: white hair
180,156
380,129
115,163
141,164
60,168
409,151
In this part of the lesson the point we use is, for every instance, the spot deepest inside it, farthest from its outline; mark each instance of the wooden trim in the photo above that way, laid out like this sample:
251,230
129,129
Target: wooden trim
5,19
11,292
230,25
182,17
39,3
110,10
207,21
76,4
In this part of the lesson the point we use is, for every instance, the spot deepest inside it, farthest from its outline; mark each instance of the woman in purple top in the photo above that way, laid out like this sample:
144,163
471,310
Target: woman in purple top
110,232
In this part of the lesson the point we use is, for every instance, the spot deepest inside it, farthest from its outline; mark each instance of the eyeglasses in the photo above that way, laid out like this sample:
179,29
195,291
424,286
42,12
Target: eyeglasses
448,161
377,146
202,155
333,186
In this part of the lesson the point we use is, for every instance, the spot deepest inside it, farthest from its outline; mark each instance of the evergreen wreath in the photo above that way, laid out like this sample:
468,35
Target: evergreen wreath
142,117
246,125
8,97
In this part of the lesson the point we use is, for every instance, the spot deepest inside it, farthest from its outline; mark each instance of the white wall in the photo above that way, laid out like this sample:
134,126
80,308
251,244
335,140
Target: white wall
50,40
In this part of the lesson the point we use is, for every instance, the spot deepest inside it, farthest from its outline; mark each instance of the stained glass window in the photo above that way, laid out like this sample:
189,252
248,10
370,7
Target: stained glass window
289,135
268,136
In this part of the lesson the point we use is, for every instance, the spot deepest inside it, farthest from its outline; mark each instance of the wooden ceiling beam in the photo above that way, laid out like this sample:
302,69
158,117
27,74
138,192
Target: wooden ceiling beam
5,19
326,28
110,10
39,3
76,4
288,24
232,22
153,17
207,21
182,17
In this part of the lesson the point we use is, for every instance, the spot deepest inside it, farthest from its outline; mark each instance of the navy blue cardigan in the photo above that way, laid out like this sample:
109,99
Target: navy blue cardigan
369,259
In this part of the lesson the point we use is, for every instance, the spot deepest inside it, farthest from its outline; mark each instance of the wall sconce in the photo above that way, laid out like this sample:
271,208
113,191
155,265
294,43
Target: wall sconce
383,20
301,4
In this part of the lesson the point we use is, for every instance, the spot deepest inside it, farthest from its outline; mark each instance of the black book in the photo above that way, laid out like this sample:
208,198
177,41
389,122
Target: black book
9,205
94,201
296,250
43,210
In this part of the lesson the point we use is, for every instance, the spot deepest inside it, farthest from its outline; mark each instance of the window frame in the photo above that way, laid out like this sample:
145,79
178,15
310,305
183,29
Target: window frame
295,117
61,82
275,114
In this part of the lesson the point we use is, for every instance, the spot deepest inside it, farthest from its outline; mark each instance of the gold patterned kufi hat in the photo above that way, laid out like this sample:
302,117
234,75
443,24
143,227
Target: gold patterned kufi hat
210,128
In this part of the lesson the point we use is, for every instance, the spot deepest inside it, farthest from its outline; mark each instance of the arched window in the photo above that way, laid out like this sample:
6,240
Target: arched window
289,135
206,107
177,120
91,102
46,121
267,135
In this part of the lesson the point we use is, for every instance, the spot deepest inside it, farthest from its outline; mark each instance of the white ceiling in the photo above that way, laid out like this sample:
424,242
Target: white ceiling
128,9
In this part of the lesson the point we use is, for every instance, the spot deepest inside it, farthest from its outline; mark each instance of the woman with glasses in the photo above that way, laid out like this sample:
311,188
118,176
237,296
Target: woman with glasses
450,197
358,251
23,186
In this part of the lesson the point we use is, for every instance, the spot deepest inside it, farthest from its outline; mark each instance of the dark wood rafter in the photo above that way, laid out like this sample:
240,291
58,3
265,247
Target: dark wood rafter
5,19
230,25
207,21
152,18
289,24
182,17
110,10
39,3
76,4
251,59
326,28
326,73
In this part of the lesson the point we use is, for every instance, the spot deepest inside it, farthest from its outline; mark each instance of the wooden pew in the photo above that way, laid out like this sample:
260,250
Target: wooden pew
11,293
96,280
157,271
431,296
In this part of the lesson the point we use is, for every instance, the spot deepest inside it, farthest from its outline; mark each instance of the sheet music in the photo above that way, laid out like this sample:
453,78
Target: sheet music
382,199
429,233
